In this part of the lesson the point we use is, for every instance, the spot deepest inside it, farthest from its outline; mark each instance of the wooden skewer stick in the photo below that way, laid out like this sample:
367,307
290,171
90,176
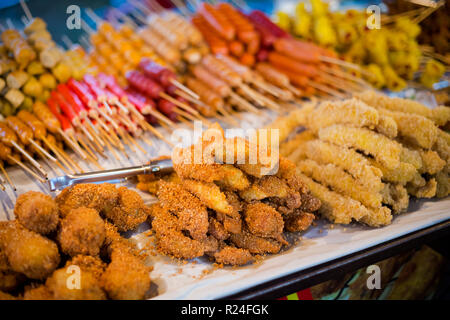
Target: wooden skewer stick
325,89
110,147
241,102
42,150
136,143
262,85
91,155
178,103
58,154
345,75
75,147
30,158
184,88
342,63
11,184
125,137
98,142
25,168
86,147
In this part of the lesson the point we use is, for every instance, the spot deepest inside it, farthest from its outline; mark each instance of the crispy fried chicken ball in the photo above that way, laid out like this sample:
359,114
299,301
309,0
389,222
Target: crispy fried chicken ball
82,232
37,211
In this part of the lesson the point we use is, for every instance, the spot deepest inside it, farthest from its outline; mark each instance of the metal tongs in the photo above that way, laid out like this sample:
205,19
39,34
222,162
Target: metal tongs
62,182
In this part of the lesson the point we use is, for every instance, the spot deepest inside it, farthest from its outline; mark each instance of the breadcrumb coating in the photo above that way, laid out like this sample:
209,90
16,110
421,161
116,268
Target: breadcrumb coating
387,126
300,221
427,191
255,244
233,256
288,147
88,263
40,292
341,182
370,143
396,196
263,220
37,212
82,232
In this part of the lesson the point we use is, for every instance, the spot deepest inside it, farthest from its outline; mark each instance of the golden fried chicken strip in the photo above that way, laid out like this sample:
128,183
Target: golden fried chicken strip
296,142
288,123
411,156
387,126
427,191
233,178
6,296
353,112
210,195
233,256
348,159
340,181
416,129
37,212
263,220
28,252
126,277
268,186
341,209
255,244
192,214
404,173
89,288
396,196
130,210
217,230
443,183
431,161
382,148
9,279
102,197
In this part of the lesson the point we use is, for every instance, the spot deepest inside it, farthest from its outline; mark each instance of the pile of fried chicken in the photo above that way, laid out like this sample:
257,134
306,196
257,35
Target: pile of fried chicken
50,238
364,157
231,211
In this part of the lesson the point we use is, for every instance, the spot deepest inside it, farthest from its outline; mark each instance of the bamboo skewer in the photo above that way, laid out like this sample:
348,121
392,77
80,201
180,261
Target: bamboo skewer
11,184
25,168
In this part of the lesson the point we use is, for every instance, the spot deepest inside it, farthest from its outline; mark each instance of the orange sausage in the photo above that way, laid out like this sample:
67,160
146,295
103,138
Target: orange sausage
22,131
46,116
33,123
298,50
236,48
287,63
217,20
216,44
212,99
219,68
248,59
214,82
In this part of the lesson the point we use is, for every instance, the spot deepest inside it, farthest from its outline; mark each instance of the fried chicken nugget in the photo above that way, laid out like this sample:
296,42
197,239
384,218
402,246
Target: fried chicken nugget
288,123
443,183
82,232
102,197
40,292
431,162
9,279
353,112
126,277
169,238
351,161
88,263
89,287
341,209
387,126
233,256
340,181
192,214
37,212
300,221
233,178
255,244
130,210
385,150
263,220
6,296
427,191
210,195
217,230
28,252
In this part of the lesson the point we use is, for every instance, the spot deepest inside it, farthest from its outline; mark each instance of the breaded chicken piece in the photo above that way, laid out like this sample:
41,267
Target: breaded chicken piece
396,196
102,197
217,230
411,156
309,203
266,187
349,160
126,277
431,162
340,181
300,221
40,292
287,171
404,173
233,178
233,256
210,195
353,112
427,191
89,287
341,209
82,232
37,212
29,253
130,210
192,214
255,244
88,263
169,238
263,220
6,296
113,240
9,279
443,183
210,245
288,147
387,126
385,150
